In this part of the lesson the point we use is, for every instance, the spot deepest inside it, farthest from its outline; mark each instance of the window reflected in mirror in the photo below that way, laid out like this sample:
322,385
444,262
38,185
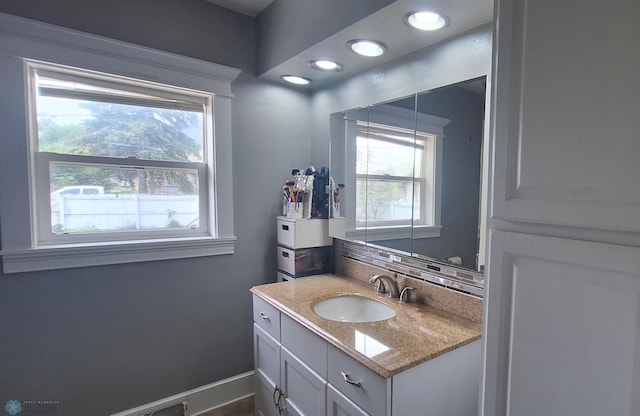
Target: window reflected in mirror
412,170
393,166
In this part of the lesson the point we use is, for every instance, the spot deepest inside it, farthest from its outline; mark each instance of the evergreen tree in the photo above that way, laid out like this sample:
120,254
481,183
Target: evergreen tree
123,131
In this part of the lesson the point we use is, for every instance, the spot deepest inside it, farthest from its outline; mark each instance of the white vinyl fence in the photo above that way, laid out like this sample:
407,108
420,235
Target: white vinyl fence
390,211
122,212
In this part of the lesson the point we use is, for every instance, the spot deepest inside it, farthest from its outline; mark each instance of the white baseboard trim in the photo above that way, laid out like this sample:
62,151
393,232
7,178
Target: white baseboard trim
204,398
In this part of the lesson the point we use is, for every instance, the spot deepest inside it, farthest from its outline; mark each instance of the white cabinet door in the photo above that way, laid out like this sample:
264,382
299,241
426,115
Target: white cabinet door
304,391
563,329
566,113
266,357
265,397
339,405
562,316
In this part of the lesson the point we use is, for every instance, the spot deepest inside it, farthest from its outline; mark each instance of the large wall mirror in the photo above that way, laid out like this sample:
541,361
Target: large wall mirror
408,174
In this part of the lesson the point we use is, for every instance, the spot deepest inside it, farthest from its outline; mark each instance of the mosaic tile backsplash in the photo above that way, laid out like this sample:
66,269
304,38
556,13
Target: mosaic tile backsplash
459,302
463,280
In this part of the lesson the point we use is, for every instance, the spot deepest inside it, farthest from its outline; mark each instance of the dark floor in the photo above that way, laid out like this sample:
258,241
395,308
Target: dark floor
242,407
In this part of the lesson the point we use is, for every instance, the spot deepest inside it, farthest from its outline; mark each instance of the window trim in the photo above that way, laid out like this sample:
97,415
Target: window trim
22,39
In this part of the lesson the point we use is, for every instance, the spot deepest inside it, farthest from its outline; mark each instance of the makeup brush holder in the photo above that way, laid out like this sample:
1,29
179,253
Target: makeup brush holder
295,211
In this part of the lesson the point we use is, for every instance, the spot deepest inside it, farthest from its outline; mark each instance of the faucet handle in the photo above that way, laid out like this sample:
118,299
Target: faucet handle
404,295
379,284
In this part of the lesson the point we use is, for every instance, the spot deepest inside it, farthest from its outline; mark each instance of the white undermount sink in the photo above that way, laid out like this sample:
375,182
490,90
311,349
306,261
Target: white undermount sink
353,308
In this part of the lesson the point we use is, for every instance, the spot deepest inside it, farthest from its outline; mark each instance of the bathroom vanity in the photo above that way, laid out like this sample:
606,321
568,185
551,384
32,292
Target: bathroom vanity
420,361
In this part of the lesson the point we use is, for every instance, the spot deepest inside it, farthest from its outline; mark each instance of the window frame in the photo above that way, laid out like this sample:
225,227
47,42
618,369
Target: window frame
41,210
22,40
364,131
41,160
424,123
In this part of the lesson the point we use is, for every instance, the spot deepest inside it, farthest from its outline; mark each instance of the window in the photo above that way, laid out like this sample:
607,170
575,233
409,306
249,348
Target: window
397,177
111,152
394,176
116,158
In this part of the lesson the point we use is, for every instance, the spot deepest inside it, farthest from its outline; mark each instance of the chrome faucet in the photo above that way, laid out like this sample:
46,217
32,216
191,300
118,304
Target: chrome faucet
404,295
384,281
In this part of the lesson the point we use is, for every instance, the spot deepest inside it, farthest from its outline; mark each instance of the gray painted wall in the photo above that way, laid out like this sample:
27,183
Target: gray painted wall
288,27
106,339
462,153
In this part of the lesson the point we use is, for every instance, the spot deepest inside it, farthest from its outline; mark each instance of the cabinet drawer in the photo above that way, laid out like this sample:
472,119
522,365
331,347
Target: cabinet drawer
371,391
306,345
284,277
304,261
266,317
303,233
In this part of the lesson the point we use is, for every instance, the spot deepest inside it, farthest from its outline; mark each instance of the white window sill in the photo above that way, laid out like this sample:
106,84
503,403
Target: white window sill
372,234
82,255
426,231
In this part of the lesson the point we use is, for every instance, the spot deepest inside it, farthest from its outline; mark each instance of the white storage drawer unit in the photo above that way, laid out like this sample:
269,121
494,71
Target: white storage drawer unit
302,233
304,261
284,277
304,247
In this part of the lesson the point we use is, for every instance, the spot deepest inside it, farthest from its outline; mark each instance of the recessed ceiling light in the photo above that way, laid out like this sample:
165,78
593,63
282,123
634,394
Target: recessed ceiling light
294,79
426,20
325,65
366,47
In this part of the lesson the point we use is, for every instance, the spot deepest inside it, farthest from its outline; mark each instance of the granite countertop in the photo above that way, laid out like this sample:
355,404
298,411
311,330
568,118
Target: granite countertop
416,333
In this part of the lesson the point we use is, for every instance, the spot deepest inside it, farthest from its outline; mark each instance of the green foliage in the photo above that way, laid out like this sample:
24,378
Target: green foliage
59,138
371,196
123,131
62,176
118,130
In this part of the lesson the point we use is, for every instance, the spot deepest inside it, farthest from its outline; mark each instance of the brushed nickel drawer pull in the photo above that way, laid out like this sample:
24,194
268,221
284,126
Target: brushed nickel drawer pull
264,316
276,391
281,409
346,378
